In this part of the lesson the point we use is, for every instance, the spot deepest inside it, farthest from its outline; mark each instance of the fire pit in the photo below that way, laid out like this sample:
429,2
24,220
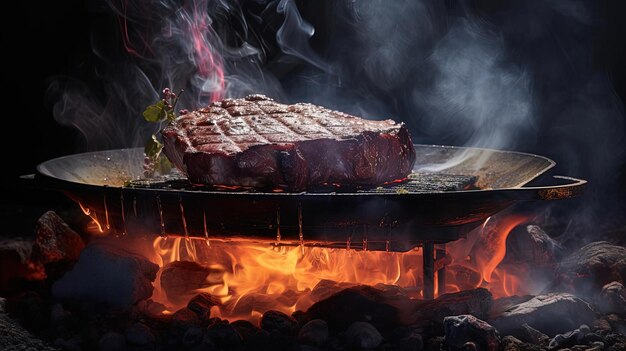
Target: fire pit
430,208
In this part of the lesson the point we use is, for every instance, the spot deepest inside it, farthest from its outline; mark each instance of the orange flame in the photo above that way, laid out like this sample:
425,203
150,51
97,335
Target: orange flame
250,277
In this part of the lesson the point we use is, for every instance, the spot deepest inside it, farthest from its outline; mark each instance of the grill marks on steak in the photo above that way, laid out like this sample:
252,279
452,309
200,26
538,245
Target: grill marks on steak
257,142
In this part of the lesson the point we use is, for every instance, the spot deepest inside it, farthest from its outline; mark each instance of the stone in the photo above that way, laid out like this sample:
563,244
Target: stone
477,302
587,270
181,280
532,245
467,328
58,314
151,308
570,338
55,240
112,341
224,336
612,298
511,343
314,333
363,336
107,274
531,335
201,305
14,266
356,304
139,334
28,308
542,311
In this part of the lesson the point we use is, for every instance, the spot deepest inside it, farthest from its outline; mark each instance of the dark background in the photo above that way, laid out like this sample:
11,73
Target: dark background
54,39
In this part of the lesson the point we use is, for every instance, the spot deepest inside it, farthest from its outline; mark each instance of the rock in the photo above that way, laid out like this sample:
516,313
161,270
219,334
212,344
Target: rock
139,334
224,336
58,314
568,339
112,341
314,333
434,344
3,305
363,336
510,343
532,245
201,305
612,298
55,240
462,276
590,268
28,308
477,302
14,266
275,320
531,335
182,279
356,304
107,274
542,311
71,344
467,328
405,338
470,346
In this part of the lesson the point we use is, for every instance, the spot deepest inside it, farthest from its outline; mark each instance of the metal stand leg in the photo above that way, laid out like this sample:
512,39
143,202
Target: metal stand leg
440,253
428,248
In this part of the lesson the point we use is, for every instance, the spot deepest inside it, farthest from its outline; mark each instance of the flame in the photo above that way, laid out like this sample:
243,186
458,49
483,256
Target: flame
94,227
249,276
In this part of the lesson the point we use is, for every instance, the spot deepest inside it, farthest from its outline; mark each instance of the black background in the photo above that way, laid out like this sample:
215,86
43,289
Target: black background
53,38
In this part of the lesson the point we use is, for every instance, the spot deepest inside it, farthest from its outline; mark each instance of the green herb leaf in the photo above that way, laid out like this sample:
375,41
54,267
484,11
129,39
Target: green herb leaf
156,112
153,147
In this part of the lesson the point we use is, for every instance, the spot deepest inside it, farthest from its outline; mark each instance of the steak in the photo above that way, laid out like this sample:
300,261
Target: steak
257,142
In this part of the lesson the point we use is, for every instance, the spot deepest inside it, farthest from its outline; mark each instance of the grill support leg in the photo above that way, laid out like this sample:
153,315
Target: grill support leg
428,248
440,253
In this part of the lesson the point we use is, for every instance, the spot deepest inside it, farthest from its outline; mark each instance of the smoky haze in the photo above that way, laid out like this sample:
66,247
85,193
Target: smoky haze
508,76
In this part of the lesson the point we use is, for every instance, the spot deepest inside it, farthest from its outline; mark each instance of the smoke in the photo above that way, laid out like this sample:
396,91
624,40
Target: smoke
505,76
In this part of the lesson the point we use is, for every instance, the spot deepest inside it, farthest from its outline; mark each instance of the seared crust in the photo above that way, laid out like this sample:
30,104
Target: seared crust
258,142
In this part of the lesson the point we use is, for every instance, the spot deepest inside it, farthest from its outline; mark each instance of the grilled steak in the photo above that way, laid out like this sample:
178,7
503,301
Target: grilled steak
257,142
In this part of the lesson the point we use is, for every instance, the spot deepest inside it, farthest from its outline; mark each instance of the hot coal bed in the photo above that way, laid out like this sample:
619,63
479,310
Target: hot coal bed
155,268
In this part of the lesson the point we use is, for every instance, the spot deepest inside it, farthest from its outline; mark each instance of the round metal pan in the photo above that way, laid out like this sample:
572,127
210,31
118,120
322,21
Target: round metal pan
96,180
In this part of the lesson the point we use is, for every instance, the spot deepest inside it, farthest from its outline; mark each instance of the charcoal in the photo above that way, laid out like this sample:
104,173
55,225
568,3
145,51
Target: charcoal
468,346
464,277
363,336
467,328
612,298
276,320
542,311
139,334
476,302
112,341
224,336
587,270
193,337
72,343
533,246
356,304
314,333
181,279
106,274
201,305
245,329
151,308
184,319
58,314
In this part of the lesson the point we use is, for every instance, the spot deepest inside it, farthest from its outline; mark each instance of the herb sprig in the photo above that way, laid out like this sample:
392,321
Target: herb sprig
163,110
